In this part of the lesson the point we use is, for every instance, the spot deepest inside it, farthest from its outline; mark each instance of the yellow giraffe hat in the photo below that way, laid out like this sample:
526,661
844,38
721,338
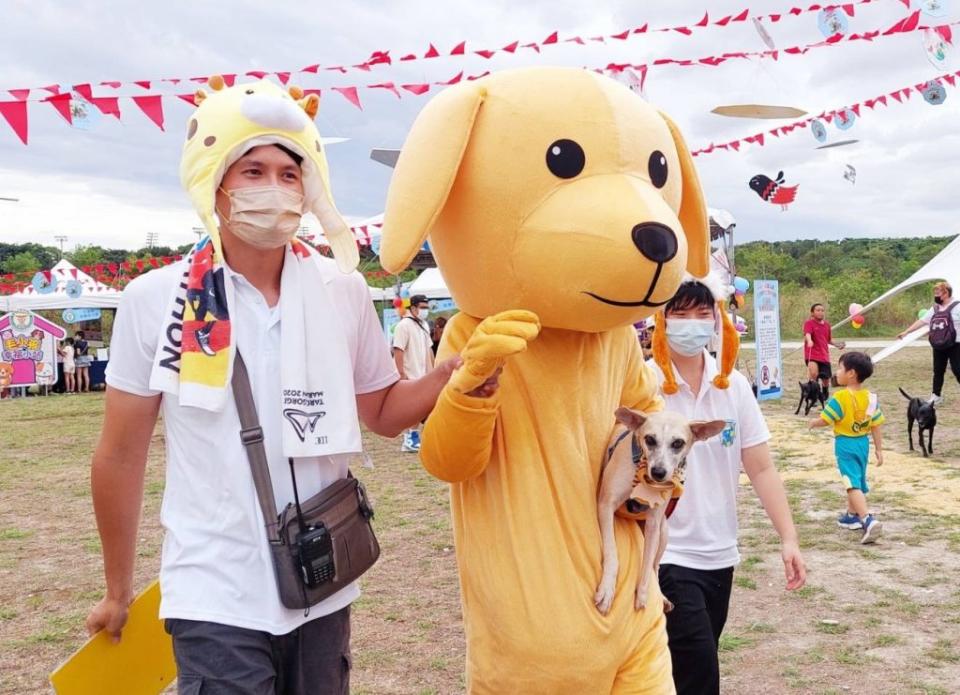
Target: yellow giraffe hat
729,344
231,120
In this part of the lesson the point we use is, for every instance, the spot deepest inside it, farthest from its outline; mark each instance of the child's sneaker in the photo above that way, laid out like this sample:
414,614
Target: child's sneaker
409,446
850,521
872,529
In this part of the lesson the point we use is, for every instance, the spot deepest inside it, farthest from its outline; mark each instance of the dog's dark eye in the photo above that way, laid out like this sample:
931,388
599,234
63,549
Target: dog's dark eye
677,444
650,441
565,159
657,168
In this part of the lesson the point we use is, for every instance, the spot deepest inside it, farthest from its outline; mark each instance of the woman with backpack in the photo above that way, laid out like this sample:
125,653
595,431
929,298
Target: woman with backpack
943,319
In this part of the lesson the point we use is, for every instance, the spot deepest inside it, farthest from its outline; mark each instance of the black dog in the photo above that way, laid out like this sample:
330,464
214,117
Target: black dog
925,415
810,393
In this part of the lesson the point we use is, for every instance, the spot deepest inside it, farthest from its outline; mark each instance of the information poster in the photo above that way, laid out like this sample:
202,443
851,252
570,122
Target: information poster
766,325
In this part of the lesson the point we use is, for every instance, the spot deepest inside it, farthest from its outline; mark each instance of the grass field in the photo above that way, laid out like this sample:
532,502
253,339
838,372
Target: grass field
873,619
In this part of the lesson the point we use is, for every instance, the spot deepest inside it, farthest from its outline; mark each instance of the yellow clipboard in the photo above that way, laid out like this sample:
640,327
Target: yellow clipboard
141,664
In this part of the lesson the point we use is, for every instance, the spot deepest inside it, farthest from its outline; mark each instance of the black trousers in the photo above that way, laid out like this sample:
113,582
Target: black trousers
940,359
215,659
700,599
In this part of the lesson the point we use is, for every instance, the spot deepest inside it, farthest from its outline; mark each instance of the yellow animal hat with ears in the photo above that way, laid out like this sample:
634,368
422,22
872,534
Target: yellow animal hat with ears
231,120
729,344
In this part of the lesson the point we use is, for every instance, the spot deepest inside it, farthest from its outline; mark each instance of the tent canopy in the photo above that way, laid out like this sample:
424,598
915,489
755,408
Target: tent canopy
73,289
430,283
944,266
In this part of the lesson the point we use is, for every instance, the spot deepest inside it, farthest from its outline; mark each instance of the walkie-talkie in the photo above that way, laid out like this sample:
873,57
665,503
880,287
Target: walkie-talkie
314,546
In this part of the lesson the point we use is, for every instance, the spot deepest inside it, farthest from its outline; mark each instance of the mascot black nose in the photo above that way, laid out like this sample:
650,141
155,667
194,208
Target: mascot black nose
655,241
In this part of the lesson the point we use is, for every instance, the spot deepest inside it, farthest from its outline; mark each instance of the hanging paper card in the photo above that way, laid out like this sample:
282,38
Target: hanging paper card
819,131
850,174
844,119
832,21
764,36
935,8
85,115
934,93
73,289
936,47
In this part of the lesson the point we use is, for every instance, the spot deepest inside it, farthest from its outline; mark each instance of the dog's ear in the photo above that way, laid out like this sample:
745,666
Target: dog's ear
704,430
426,170
693,209
633,419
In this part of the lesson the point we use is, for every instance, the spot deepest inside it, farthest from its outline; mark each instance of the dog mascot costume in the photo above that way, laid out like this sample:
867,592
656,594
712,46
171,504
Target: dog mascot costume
561,209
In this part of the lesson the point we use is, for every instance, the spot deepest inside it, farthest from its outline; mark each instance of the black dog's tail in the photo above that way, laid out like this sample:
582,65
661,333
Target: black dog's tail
905,394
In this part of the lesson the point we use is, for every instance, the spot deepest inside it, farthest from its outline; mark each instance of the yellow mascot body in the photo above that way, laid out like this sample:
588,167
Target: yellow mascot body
561,209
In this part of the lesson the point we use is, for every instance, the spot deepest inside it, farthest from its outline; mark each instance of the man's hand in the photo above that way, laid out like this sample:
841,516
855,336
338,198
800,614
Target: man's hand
794,567
110,615
901,335
841,345
496,338
879,457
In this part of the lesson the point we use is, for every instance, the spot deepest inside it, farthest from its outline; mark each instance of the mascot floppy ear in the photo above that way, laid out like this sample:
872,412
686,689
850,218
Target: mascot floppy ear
426,171
693,210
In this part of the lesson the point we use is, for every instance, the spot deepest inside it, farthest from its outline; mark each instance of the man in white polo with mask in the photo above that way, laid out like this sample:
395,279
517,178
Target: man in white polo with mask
253,164
696,571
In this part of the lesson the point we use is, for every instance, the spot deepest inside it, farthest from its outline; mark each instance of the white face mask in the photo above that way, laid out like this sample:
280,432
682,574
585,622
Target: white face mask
689,337
422,314
266,217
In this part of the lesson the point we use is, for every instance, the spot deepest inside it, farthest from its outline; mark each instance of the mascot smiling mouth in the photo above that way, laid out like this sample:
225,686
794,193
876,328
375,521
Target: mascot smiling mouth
643,302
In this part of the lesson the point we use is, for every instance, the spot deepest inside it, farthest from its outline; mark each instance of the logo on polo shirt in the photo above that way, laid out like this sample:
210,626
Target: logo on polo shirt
302,422
729,434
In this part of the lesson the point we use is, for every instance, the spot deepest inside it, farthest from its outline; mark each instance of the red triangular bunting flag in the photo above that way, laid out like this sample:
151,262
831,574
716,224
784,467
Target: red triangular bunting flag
906,3
896,95
390,86
485,53
849,9
189,98
703,22
84,90
109,106
409,56
311,68
19,94
641,30
308,92
622,36
143,83
151,107
856,109
913,21
284,77
229,79
945,33
61,102
686,31
550,39
882,100
735,145
53,88
15,112
432,52
73,272
723,22
951,80
258,74
534,46
458,50
416,88
199,80
574,39
774,18
453,80
113,84
350,94
742,17
511,47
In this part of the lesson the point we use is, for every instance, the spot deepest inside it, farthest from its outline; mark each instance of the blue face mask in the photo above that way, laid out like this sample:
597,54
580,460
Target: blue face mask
689,337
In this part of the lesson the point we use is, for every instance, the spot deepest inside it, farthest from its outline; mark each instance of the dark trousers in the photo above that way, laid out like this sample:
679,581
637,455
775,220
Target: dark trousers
940,359
700,599
215,659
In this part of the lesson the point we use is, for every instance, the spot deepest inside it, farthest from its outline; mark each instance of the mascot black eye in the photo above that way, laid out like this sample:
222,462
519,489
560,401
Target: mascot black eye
249,91
657,168
565,159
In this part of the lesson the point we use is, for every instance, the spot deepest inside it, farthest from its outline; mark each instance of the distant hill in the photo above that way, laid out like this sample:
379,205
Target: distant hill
838,273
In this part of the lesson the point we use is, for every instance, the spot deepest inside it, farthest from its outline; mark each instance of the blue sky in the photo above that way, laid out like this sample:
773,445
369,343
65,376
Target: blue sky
114,184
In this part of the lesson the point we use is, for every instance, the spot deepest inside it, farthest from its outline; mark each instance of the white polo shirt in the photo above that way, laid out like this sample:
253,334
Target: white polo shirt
413,337
703,527
216,563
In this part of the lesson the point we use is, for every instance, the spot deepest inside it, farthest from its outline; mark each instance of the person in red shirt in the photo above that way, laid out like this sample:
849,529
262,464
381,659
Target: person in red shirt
817,340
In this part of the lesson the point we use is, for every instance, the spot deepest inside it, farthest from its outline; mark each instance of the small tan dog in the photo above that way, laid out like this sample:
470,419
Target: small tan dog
642,491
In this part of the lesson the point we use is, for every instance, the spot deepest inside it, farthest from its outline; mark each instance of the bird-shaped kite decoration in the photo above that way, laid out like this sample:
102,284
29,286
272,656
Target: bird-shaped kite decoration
850,174
773,191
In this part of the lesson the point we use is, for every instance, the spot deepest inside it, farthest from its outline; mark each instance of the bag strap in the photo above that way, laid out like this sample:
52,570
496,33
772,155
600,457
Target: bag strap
251,434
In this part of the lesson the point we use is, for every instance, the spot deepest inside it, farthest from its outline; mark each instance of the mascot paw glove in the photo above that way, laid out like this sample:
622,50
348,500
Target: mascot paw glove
496,338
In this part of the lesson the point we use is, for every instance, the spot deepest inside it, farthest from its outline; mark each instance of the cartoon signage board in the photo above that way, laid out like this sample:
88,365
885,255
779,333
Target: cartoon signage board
28,349
766,324
141,663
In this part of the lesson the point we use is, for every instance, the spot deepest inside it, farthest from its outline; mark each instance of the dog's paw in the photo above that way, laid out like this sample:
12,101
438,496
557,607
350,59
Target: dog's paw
641,601
604,597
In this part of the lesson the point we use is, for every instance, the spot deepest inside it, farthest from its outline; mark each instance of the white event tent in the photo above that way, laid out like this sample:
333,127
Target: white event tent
72,289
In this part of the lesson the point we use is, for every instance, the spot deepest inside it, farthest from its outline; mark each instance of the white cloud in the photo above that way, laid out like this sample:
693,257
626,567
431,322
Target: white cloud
117,182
